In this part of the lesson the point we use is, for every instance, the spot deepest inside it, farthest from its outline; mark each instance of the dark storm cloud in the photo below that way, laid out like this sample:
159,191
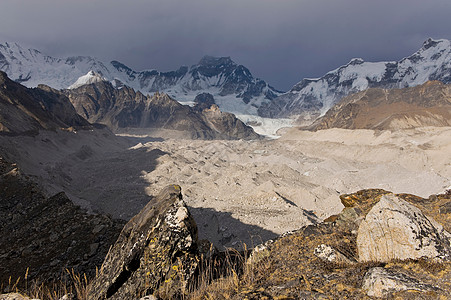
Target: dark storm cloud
281,41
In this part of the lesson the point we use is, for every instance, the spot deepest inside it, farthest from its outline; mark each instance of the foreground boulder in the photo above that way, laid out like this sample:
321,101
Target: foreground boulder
395,229
155,254
380,282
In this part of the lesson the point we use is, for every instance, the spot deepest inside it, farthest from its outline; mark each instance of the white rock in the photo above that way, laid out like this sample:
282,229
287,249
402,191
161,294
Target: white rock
378,282
395,229
327,253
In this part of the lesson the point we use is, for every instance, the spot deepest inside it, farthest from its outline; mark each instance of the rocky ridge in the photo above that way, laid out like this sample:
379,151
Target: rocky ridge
311,98
156,253
124,108
428,104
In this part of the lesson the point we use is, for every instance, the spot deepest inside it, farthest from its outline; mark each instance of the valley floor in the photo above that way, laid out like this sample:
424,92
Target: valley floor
238,191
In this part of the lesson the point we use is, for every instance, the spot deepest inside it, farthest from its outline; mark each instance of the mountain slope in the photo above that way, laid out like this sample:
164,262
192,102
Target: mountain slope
313,97
233,85
120,108
428,104
24,110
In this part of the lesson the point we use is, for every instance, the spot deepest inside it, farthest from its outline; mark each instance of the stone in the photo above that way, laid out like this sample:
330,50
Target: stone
68,297
395,229
327,253
379,282
93,249
446,208
155,254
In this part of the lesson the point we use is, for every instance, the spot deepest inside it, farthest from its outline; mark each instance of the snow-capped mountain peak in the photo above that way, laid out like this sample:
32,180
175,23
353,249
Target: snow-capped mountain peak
90,77
233,85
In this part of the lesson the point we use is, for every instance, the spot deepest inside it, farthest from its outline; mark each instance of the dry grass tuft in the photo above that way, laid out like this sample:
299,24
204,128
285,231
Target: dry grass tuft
72,284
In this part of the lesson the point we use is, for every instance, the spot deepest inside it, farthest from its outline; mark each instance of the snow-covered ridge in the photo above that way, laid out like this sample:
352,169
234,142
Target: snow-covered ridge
431,62
219,76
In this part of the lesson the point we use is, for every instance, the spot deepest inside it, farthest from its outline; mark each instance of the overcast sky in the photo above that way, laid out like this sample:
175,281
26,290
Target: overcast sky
280,41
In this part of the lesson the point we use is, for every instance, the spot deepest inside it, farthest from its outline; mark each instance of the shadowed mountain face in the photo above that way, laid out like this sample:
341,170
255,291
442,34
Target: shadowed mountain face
125,108
25,111
425,105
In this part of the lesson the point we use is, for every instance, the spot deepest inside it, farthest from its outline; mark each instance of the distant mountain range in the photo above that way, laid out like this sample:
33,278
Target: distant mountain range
311,98
233,86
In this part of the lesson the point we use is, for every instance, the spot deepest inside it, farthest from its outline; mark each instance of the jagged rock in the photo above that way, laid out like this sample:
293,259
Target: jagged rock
155,254
379,282
395,229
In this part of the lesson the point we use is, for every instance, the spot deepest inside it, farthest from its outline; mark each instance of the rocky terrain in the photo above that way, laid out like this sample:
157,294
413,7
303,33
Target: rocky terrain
125,110
380,245
44,236
238,191
428,104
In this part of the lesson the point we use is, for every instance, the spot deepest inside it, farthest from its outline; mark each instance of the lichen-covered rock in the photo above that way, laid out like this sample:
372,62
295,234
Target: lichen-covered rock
395,229
379,282
155,254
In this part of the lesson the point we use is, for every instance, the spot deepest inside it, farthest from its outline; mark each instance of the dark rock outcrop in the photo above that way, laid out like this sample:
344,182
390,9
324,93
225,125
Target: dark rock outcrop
155,254
26,111
203,101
